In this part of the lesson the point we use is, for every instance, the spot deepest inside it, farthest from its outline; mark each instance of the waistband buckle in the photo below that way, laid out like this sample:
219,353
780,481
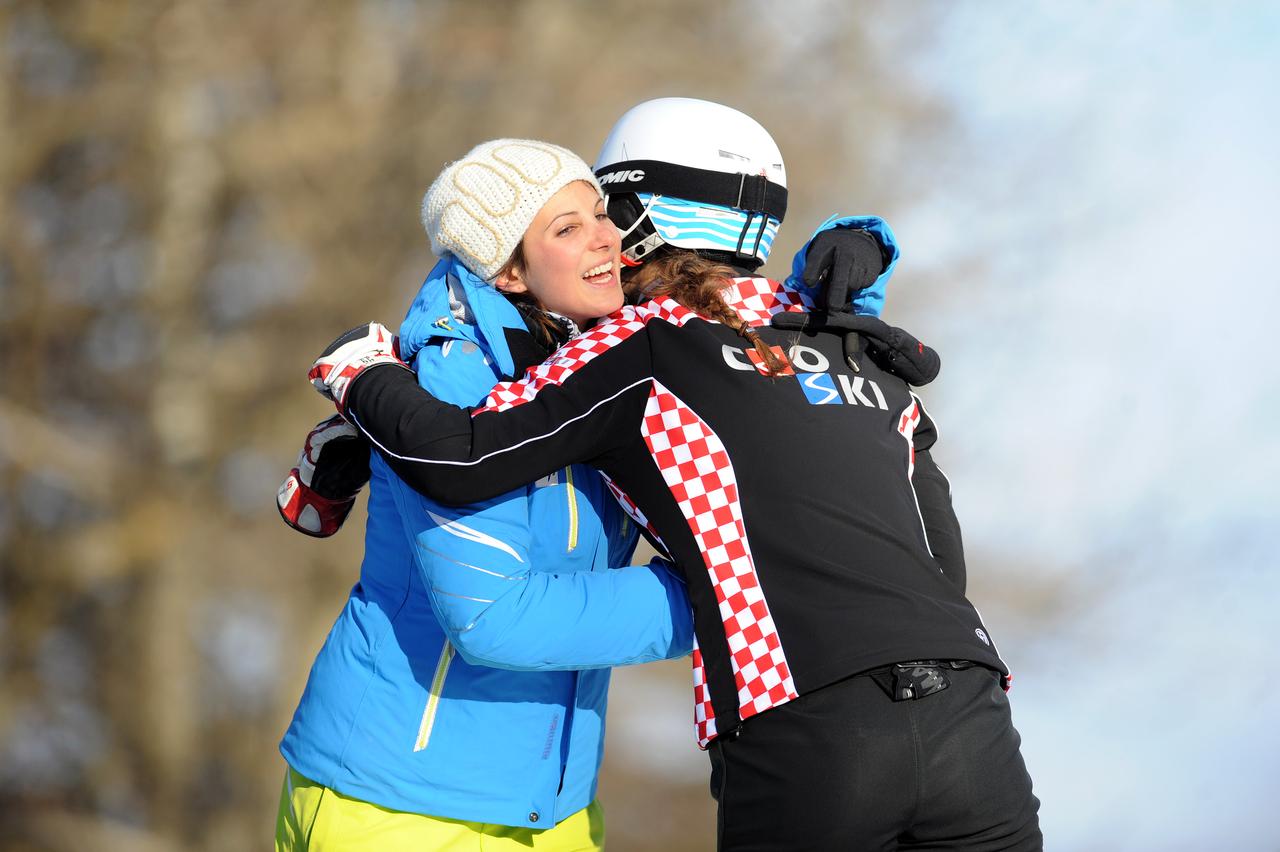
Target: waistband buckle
913,680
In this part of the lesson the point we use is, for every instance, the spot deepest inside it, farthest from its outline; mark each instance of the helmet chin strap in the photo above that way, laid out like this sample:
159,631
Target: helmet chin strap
638,253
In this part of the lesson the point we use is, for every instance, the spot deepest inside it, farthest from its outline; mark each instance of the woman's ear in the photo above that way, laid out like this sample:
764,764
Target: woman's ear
511,280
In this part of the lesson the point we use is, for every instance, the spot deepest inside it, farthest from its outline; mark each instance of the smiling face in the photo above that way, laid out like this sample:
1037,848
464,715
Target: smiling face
570,257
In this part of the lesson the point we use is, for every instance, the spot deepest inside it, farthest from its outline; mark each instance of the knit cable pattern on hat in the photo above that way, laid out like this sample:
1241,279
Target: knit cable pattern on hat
480,206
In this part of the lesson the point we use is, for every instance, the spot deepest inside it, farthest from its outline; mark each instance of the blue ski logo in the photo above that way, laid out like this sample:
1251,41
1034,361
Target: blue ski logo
819,389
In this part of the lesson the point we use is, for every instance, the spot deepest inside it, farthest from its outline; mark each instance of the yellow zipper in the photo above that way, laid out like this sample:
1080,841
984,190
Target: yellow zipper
573,510
433,697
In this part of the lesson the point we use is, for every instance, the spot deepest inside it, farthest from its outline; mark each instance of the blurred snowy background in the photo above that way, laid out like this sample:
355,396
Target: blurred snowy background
195,196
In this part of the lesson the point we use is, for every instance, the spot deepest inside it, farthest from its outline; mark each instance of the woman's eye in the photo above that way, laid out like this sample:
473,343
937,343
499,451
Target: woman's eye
565,230
600,217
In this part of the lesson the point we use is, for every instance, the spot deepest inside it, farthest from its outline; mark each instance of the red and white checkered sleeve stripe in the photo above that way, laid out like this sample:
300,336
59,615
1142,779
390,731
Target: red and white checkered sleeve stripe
696,467
907,423
758,299
567,360
704,715
580,351
633,511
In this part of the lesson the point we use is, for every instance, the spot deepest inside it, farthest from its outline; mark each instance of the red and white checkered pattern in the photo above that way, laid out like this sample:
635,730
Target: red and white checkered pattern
697,470
758,299
704,715
907,423
755,299
633,511
581,350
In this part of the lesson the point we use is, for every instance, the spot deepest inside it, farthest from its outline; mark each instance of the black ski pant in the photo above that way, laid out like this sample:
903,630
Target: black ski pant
847,768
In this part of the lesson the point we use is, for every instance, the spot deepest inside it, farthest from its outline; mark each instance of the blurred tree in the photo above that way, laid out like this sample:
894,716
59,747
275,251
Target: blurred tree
194,198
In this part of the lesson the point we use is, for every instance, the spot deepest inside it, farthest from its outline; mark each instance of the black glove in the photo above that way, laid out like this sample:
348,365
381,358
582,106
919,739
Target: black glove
845,260
894,350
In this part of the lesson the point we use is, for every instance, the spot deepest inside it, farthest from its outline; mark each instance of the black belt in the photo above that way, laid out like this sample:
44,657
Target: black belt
916,679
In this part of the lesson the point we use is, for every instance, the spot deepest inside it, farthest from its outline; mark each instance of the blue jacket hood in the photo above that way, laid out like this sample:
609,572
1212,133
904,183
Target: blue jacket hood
456,304
868,301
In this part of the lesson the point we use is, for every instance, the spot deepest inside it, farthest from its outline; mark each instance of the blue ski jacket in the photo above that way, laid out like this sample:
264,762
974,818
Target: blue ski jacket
468,673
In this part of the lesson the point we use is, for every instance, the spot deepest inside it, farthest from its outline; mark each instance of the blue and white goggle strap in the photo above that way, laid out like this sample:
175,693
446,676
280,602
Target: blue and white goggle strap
761,243
700,225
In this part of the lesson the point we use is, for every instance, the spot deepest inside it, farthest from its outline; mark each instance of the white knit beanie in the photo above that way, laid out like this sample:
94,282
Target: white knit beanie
480,206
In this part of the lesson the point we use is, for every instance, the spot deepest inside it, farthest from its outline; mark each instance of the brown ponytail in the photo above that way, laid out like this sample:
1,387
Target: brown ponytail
696,282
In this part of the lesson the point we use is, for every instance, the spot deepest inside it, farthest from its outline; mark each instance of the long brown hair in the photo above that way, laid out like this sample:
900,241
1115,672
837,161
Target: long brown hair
696,282
550,329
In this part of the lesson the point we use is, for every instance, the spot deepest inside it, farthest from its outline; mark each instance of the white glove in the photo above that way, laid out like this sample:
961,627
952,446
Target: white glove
350,355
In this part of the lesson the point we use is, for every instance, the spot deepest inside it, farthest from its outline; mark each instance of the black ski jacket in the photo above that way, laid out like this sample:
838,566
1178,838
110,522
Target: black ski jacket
812,526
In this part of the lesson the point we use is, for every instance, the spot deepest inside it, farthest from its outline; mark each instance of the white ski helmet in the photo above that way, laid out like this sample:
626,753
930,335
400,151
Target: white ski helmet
693,174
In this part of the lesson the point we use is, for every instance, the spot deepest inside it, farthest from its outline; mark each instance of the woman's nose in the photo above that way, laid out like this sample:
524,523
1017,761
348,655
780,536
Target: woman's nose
607,234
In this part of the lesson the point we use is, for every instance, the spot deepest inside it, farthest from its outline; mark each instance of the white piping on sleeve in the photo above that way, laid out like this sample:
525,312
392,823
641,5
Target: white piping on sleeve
911,448
938,430
486,457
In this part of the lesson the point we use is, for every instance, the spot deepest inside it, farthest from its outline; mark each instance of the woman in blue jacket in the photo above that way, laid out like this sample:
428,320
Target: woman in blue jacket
847,690
407,735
